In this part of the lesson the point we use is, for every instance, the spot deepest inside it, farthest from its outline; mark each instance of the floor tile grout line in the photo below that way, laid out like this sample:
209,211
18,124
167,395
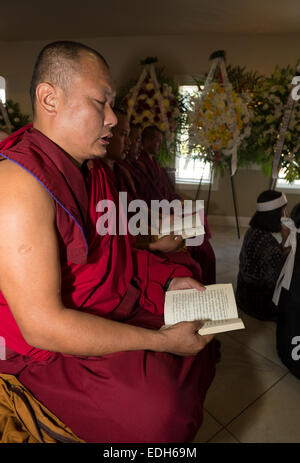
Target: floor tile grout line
224,426
218,432
214,435
253,402
233,435
218,243
258,353
212,416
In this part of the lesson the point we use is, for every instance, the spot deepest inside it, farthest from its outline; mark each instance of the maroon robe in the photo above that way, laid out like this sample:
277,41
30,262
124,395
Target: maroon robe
152,183
93,395
125,182
158,176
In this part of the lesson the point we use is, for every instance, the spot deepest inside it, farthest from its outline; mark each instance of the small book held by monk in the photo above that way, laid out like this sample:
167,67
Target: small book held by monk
186,233
216,306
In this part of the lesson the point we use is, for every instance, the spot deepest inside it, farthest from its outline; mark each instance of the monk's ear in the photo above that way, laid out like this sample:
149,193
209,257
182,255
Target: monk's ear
47,98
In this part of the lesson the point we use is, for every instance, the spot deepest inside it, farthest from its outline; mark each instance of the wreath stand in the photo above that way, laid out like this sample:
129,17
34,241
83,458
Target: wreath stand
148,70
209,195
273,183
284,125
218,60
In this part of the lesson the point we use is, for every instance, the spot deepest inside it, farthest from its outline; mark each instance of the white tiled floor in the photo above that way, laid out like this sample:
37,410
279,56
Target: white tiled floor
253,398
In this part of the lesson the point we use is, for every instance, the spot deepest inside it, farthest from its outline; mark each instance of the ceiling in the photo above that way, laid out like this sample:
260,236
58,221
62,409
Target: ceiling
62,19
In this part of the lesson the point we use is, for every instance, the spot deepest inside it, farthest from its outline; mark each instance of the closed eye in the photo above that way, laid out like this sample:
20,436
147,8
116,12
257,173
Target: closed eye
102,103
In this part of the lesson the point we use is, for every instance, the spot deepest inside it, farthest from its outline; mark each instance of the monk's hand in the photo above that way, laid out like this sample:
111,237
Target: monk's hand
168,243
185,283
183,338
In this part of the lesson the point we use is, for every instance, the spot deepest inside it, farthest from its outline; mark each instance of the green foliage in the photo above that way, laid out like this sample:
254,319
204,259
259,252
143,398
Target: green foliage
207,127
242,80
16,118
267,98
268,106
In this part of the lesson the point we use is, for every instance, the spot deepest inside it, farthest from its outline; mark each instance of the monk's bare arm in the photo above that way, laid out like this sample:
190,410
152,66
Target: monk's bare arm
31,283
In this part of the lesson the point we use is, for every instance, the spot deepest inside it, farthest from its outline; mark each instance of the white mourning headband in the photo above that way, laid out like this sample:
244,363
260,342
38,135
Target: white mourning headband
271,205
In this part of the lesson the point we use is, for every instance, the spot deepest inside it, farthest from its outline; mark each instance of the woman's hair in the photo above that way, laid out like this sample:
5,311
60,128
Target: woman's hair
295,215
268,220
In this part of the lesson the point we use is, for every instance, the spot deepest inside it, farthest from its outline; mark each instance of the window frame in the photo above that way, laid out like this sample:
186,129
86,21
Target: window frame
193,184
2,78
289,188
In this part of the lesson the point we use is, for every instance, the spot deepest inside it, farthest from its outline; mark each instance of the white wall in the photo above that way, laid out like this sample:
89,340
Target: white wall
180,55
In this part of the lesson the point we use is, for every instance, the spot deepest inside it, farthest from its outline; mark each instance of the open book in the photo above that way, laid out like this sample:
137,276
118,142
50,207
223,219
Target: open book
190,232
188,225
215,306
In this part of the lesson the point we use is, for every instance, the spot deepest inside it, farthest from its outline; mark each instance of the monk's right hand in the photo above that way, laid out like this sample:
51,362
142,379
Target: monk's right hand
183,338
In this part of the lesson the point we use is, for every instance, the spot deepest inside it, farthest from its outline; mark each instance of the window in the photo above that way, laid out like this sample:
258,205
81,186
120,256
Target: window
192,170
189,169
282,184
2,90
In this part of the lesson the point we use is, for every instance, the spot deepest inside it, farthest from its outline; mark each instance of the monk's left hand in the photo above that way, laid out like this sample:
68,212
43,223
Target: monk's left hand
185,283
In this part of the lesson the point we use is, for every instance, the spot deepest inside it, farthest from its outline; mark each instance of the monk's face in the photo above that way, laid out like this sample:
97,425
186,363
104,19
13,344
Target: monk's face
152,145
120,142
85,118
135,143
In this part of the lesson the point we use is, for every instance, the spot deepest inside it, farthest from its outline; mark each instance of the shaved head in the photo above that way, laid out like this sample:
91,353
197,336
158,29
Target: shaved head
152,139
149,132
73,93
57,63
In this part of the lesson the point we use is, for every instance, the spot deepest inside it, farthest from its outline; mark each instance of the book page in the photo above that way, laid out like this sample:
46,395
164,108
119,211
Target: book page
185,233
187,225
217,302
221,326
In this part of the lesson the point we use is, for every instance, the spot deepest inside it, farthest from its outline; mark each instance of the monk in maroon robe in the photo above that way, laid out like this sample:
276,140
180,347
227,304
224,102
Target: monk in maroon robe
129,162
80,310
119,149
158,186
